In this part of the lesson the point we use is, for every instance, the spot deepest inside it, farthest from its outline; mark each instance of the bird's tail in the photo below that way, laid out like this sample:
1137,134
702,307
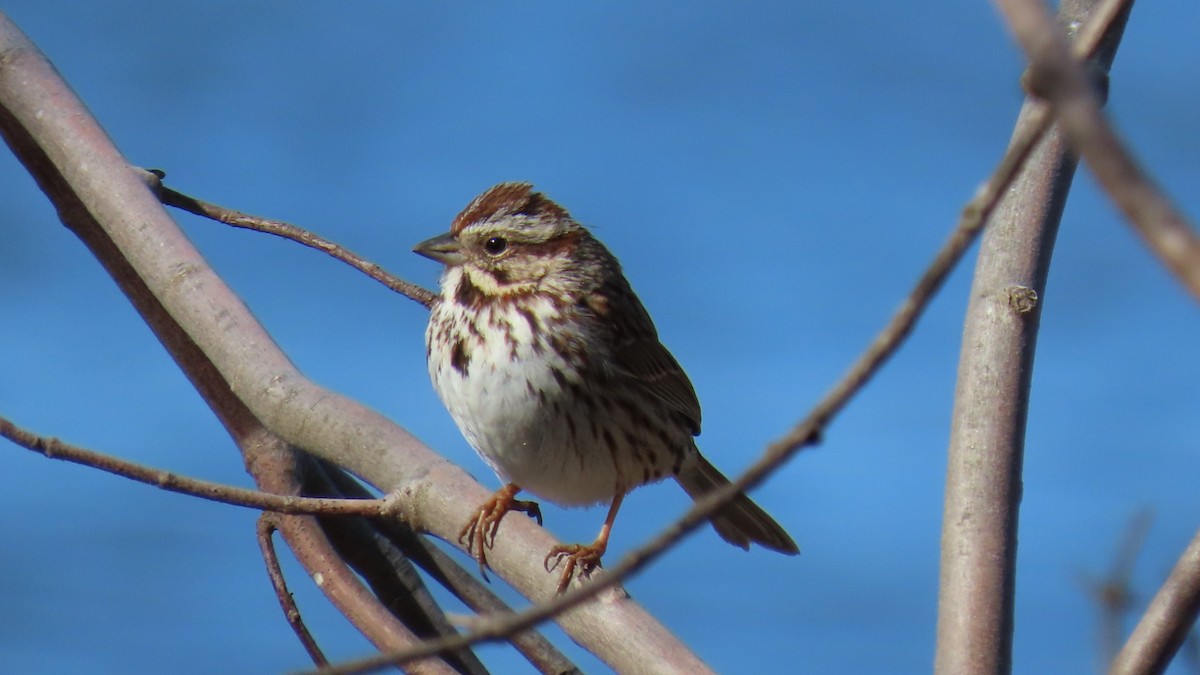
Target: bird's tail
741,521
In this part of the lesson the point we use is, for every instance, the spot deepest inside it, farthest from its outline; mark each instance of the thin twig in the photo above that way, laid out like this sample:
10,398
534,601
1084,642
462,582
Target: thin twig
52,448
1064,83
265,529
288,231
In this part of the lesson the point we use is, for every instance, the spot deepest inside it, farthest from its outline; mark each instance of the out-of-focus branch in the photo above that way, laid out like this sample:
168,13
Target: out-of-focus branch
1113,593
983,477
1066,85
53,448
288,231
240,371
1165,625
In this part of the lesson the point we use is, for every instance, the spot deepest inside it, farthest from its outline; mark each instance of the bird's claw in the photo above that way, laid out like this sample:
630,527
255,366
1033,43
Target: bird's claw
573,557
479,533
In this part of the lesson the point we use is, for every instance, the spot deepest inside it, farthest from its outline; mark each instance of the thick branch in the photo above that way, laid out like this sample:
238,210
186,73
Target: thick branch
983,481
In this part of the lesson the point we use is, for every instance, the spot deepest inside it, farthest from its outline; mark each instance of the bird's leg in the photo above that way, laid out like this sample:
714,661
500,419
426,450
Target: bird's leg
585,558
480,531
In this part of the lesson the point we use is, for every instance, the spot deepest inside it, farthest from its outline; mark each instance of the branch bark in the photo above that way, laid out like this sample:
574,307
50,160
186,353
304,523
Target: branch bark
278,469
983,481
389,538
987,433
267,526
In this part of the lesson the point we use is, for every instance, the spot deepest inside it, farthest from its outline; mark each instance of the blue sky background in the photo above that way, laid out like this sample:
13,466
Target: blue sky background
773,176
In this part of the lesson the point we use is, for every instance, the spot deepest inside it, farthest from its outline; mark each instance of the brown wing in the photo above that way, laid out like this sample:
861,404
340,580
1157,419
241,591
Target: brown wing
652,366
637,353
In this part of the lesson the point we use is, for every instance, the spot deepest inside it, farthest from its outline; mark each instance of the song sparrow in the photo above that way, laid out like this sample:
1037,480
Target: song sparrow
554,373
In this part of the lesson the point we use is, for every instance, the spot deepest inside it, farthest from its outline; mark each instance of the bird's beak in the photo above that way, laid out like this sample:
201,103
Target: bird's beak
443,248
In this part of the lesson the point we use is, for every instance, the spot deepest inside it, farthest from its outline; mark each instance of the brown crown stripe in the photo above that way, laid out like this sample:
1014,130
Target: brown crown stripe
508,198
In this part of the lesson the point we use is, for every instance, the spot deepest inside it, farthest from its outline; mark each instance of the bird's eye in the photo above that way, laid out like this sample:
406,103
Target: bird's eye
495,245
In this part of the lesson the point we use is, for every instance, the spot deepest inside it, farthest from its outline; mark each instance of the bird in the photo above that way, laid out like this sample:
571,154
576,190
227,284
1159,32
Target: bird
553,370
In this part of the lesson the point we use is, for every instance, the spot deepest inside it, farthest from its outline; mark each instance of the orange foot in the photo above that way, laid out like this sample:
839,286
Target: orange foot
480,531
576,557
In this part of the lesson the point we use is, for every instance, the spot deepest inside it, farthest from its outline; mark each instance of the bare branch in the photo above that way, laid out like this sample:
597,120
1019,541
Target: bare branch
466,587
385,567
1065,84
983,473
1166,623
53,448
279,468
983,478
536,649
97,193
288,231
266,528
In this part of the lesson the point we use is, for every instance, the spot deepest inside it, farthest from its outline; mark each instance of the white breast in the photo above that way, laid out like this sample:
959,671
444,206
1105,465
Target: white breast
511,404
